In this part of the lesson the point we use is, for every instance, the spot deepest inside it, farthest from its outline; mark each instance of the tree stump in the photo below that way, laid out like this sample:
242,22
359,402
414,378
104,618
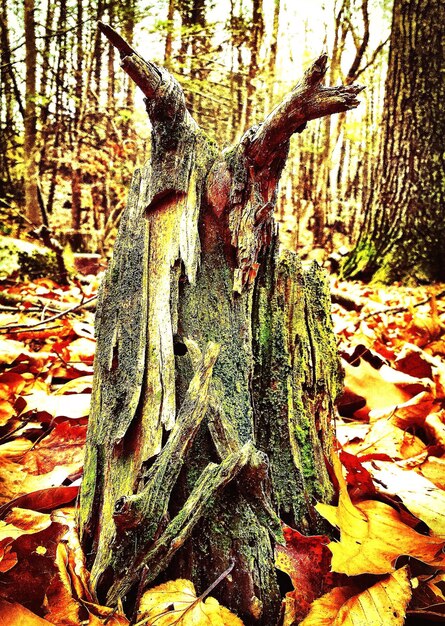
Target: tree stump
216,367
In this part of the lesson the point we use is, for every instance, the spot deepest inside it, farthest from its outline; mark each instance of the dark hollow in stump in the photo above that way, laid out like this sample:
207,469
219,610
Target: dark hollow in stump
216,367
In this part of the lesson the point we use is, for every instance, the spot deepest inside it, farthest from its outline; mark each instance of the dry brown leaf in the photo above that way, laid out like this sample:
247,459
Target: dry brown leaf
16,482
372,535
383,437
16,448
176,603
350,432
77,385
28,581
420,496
62,608
10,350
307,561
76,565
8,558
436,585
104,615
14,614
69,597
82,349
383,604
63,447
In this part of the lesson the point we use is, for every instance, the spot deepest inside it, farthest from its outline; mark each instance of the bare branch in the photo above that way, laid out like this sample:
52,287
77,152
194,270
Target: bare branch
373,57
116,40
146,75
164,96
360,50
309,100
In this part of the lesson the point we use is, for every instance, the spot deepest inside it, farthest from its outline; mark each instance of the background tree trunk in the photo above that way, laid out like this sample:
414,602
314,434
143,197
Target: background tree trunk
404,231
32,208
216,368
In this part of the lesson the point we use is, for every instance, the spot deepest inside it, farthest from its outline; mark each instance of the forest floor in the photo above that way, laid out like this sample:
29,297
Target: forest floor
387,559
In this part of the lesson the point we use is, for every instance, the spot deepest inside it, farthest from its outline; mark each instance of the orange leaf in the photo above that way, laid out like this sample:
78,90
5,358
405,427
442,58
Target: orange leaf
13,613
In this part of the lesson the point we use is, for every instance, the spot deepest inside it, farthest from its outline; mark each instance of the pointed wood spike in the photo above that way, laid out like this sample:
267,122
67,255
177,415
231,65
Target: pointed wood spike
115,39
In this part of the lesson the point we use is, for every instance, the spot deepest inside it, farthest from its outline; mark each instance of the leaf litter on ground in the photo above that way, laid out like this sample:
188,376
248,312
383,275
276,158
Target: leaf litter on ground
386,560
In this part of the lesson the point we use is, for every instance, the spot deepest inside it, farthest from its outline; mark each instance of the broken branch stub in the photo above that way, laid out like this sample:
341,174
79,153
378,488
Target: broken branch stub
308,100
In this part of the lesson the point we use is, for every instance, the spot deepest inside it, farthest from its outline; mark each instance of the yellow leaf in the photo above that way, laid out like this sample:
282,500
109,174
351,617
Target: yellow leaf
372,535
435,427
368,382
434,469
418,494
410,413
382,604
176,603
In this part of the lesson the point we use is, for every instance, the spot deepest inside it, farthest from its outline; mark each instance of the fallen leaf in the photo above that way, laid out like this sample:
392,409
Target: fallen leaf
13,613
175,602
69,598
27,582
368,382
10,349
6,412
434,469
380,605
16,448
372,535
72,406
358,478
8,558
44,499
76,386
420,496
416,362
307,561
82,349
435,426
428,595
61,607
17,482
351,432
75,563
383,437
410,413
63,447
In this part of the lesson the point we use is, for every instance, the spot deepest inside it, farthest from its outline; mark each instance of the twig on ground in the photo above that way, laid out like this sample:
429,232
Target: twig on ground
9,327
399,309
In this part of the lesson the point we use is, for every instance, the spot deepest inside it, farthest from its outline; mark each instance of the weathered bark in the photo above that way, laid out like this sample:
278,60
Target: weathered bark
188,472
403,237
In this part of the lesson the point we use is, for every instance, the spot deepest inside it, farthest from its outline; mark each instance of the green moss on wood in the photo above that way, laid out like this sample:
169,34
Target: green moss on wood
296,370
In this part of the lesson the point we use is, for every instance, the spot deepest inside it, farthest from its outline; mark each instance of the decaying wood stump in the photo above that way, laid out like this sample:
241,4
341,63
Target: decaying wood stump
216,367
